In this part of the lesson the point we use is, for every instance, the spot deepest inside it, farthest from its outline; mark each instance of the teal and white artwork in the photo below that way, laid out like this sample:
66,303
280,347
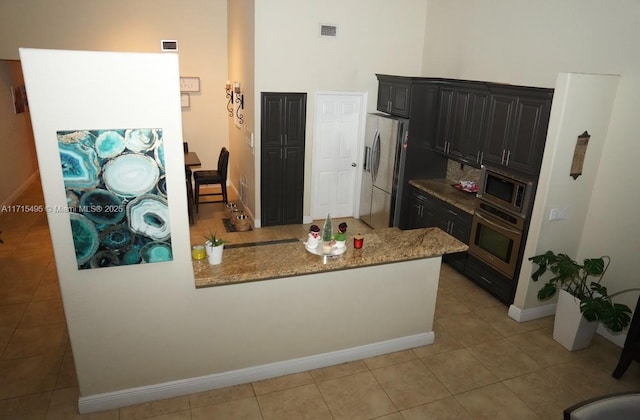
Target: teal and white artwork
116,192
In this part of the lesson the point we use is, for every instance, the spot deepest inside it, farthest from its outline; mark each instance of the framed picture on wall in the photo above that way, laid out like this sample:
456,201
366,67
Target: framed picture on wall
19,97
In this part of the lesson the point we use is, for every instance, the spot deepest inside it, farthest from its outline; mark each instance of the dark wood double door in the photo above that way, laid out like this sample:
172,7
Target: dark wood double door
283,126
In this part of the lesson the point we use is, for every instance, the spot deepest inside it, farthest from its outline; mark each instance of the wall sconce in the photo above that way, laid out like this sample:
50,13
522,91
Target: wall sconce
236,101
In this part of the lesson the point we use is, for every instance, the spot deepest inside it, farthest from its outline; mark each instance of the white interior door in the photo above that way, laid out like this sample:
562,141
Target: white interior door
335,182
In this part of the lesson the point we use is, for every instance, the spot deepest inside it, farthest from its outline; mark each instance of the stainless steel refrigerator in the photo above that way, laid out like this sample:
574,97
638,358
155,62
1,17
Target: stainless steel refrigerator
383,169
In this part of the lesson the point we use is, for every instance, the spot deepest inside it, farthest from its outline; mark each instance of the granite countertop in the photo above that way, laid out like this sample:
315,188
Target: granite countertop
264,261
443,189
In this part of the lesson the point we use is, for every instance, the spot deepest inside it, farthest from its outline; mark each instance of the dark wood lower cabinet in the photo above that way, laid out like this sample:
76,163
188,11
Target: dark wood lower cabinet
493,282
427,210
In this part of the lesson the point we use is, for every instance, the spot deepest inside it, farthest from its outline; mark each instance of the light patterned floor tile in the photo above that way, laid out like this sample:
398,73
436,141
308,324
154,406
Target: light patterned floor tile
282,382
242,409
459,371
304,402
445,409
355,397
503,359
410,384
495,402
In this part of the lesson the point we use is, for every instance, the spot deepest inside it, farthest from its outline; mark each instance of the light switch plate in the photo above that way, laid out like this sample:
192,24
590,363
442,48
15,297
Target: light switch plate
557,214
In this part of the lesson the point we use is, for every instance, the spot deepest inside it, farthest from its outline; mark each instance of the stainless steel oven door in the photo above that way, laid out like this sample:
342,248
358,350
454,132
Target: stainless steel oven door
495,242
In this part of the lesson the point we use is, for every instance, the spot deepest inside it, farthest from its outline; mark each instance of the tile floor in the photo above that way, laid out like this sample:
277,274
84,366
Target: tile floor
483,365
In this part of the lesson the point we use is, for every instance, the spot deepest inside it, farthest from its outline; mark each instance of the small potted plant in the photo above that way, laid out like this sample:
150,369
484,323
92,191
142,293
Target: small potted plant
214,247
587,298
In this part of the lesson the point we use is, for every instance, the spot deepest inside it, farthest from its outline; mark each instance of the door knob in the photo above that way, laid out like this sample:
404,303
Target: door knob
354,164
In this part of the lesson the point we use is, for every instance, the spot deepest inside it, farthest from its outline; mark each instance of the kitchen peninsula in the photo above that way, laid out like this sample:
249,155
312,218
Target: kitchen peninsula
303,314
277,259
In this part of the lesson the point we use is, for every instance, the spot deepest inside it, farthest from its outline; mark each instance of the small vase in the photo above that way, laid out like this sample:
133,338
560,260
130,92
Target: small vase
214,253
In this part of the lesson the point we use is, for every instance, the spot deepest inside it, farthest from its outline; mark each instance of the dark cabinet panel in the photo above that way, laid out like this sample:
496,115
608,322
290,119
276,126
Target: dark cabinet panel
427,210
501,110
517,130
430,211
490,280
394,95
461,123
282,158
486,123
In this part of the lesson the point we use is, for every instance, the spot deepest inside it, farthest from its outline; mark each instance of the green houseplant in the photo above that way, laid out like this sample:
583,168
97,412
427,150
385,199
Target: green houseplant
576,279
214,247
212,239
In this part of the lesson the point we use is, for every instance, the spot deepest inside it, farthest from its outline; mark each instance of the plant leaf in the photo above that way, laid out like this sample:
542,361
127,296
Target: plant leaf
547,291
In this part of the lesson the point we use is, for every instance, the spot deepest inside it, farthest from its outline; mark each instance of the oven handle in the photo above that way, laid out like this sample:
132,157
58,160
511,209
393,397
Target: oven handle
515,232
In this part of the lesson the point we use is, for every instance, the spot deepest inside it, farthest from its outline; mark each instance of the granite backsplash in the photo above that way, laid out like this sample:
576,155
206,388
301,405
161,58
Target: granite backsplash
459,172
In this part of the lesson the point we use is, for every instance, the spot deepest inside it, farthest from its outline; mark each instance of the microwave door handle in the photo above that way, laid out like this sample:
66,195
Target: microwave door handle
515,232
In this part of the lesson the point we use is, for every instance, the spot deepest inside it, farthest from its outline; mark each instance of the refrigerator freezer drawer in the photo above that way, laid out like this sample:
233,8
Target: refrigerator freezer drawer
380,208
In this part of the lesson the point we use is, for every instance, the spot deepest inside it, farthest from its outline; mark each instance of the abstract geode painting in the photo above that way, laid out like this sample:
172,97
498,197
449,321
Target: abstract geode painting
116,196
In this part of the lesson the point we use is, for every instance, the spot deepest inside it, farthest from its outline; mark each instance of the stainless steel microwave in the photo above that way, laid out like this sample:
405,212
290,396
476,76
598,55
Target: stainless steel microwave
505,191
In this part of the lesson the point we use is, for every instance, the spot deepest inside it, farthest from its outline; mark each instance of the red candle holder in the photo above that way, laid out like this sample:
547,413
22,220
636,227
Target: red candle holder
358,241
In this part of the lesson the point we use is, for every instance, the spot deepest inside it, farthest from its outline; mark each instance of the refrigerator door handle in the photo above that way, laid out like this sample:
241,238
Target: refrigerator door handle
366,166
376,156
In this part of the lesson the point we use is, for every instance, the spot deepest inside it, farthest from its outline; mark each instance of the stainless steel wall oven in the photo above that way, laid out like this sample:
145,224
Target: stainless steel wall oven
496,236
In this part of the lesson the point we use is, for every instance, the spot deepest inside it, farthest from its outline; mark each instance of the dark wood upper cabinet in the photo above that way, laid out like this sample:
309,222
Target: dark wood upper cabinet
283,124
487,123
517,130
394,95
462,119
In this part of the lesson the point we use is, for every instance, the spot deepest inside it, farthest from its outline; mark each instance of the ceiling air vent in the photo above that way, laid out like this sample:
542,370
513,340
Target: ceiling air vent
328,30
169,45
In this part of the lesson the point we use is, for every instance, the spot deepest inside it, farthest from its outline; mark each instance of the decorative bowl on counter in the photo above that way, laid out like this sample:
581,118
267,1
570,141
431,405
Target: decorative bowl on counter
318,250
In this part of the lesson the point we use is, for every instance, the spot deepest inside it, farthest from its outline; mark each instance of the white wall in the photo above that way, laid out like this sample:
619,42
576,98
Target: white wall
530,43
582,102
241,41
200,26
146,325
18,159
372,37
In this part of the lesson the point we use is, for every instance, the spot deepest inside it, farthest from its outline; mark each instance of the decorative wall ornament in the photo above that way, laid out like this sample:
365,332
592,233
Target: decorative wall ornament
235,105
579,154
116,196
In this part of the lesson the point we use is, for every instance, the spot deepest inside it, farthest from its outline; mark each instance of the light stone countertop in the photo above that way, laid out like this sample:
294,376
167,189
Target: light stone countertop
443,189
264,261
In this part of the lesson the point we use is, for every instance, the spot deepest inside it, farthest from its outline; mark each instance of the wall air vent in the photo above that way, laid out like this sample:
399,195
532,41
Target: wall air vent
328,30
169,45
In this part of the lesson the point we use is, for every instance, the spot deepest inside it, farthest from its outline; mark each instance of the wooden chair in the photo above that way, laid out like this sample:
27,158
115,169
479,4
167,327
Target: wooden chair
213,177
631,349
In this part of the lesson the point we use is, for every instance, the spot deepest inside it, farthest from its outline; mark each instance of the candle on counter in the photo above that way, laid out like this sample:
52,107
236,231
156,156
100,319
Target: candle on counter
228,86
198,252
358,241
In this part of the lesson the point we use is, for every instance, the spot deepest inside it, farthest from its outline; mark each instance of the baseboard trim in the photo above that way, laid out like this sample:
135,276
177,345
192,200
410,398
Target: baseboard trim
523,315
121,398
617,339
22,188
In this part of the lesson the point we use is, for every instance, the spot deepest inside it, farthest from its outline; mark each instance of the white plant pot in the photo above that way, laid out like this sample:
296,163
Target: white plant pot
570,328
214,253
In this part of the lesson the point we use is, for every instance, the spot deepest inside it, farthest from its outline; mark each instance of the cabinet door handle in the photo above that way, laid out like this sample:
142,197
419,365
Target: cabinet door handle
508,156
502,159
452,212
478,157
481,157
485,279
